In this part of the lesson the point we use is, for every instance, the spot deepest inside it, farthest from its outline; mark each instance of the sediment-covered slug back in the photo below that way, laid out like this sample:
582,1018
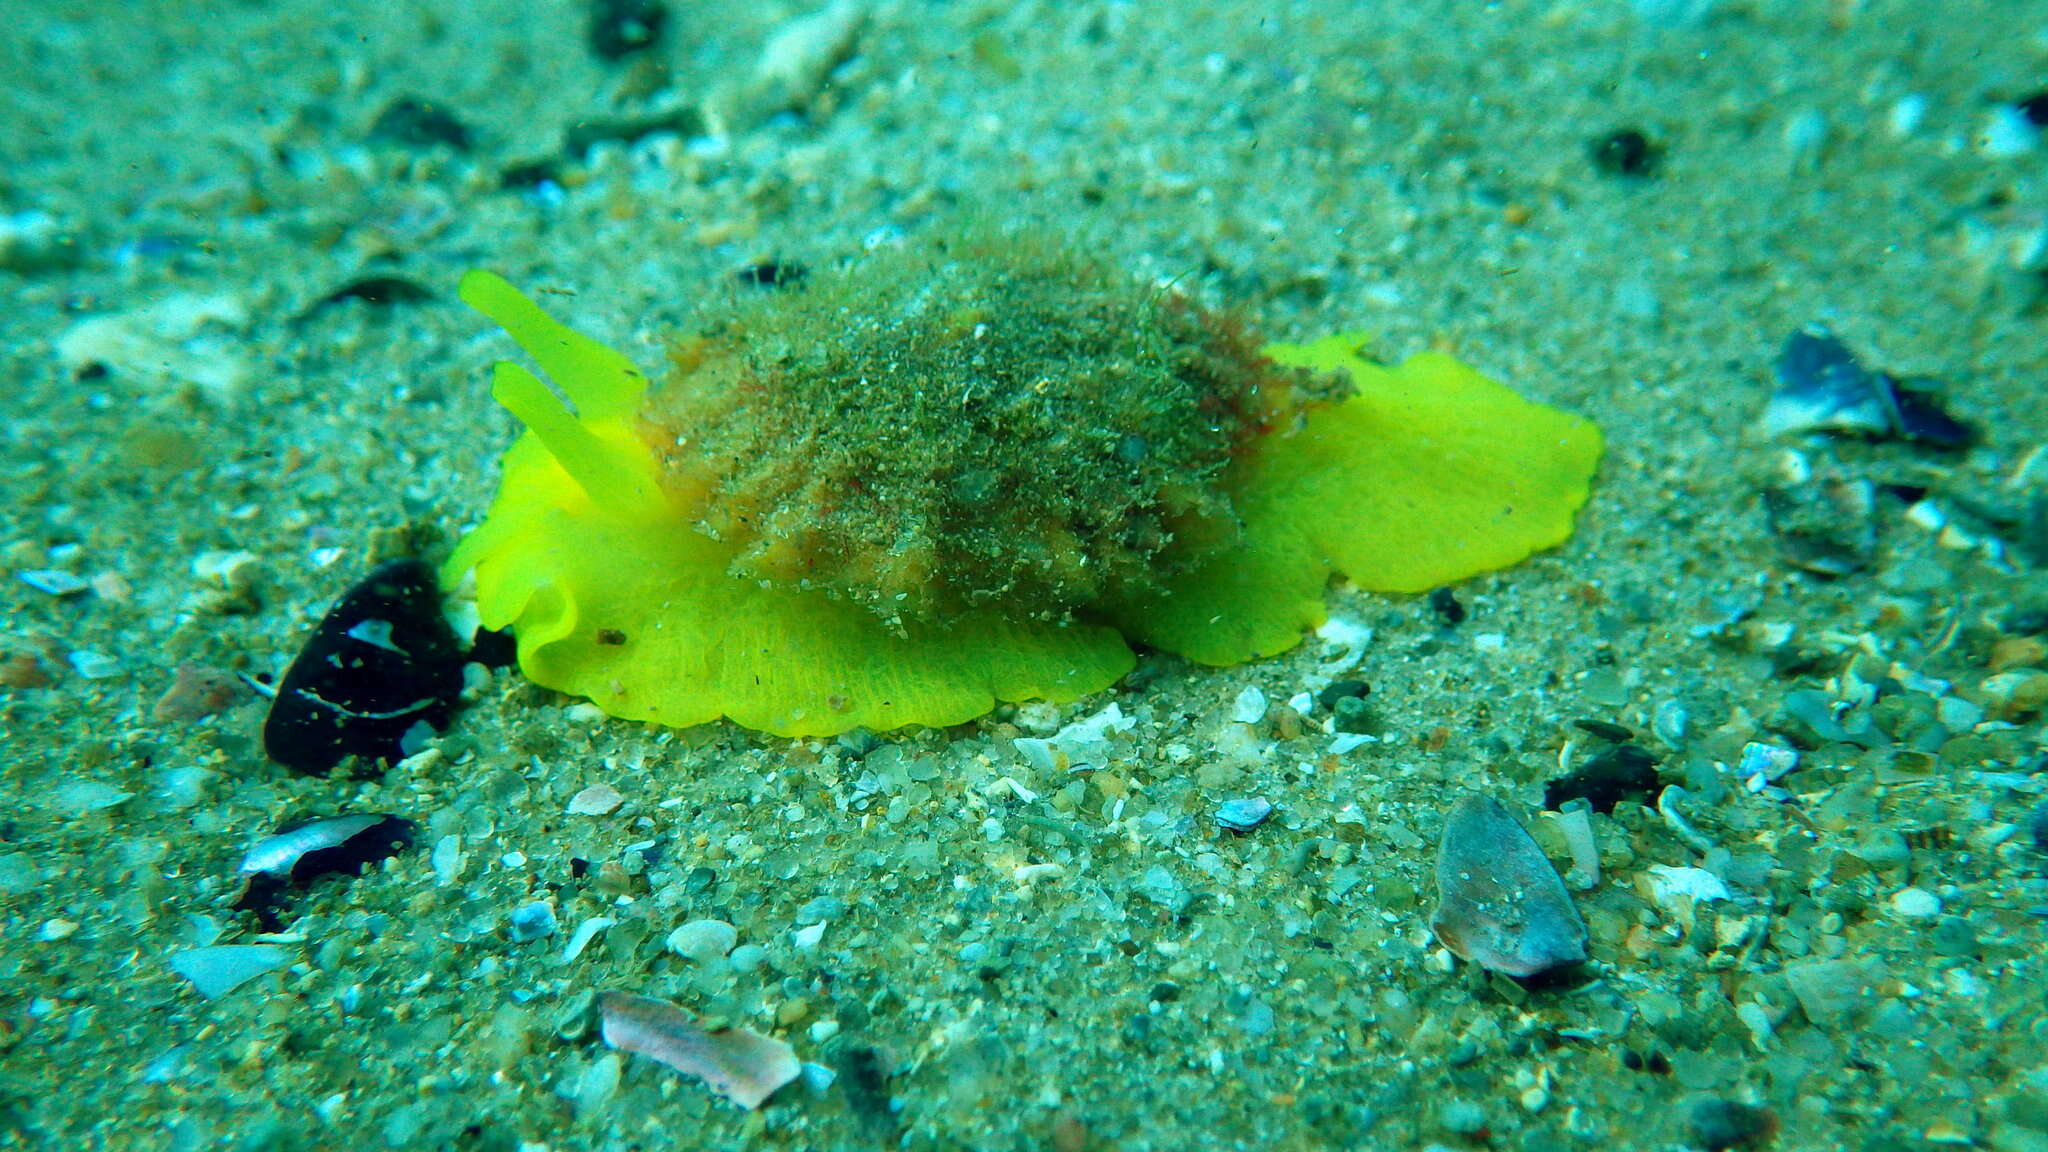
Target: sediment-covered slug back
944,477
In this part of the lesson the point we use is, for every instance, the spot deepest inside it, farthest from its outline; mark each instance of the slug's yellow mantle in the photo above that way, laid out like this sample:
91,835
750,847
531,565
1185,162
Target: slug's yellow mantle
601,562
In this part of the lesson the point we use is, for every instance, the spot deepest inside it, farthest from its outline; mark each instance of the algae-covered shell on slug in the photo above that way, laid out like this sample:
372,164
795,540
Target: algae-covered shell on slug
931,482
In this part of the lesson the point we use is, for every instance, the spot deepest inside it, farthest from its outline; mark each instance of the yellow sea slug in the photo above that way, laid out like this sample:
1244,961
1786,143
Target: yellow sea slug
944,477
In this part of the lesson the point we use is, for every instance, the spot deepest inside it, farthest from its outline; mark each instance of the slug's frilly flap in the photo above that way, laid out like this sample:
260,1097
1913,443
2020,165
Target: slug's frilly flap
1430,474
612,595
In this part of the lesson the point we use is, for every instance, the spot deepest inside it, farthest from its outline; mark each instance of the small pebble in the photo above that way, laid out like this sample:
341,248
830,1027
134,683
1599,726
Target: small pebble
2008,132
1907,114
1915,904
217,970
1806,133
1353,716
1462,1118
2015,695
21,669
94,665
76,797
18,874
703,940
1250,706
197,692
596,800
446,859
1764,764
531,922
1833,992
1954,937
34,241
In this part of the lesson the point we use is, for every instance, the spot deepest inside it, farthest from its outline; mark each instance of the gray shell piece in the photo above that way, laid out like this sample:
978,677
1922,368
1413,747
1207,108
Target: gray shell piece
1500,904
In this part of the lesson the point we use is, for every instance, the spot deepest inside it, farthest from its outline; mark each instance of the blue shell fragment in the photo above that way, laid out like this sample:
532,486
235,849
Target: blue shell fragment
1241,816
1823,388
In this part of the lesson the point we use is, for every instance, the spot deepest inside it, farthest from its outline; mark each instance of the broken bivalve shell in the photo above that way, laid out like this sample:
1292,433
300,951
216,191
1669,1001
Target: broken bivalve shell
1500,904
283,851
1823,388
737,1063
298,854
379,676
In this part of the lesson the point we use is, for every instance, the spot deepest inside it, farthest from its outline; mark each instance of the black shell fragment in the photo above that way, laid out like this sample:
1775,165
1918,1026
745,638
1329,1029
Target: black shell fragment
773,274
298,854
382,291
416,123
380,674
620,28
1623,772
1625,152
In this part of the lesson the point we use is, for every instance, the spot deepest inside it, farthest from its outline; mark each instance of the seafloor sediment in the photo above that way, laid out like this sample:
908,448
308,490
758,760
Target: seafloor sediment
238,378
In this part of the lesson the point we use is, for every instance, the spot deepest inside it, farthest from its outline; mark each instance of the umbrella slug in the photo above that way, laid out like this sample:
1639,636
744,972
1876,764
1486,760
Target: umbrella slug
969,472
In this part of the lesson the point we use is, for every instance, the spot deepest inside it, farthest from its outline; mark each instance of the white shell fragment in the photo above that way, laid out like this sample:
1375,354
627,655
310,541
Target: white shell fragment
1500,904
739,1064
78,797
54,581
1083,742
1676,890
217,970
